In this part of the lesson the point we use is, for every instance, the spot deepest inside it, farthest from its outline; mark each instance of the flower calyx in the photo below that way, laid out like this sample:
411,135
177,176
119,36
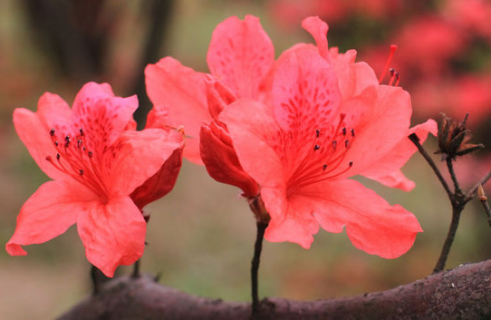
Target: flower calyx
258,208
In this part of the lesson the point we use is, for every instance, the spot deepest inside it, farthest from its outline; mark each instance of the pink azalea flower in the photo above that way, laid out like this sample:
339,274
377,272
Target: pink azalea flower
241,59
241,55
96,160
294,130
329,120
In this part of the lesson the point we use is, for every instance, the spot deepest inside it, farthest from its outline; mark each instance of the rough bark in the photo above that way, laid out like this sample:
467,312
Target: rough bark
461,293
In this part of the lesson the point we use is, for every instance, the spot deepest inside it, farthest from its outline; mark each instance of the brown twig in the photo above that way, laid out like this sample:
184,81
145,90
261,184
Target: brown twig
447,245
261,228
136,270
415,139
470,195
457,199
453,176
484,201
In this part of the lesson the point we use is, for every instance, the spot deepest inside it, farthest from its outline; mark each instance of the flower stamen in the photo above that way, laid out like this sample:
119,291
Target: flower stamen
72,159
393,49
307,171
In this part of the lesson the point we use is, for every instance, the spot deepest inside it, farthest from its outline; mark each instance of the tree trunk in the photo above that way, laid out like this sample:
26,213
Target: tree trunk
461,293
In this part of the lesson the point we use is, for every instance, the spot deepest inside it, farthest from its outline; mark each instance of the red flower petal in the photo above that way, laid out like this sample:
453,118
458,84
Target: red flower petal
54,111
288,220
218,154
99,113
35,136
113,234
164,180
305,94
372,224
386,169
180,93
253,129
379,129
49,212
140,155
241,54
318,29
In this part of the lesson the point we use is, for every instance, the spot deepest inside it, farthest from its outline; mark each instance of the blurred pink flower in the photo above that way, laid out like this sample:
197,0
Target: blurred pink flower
462,95
96,160
473,15
289,13
426,45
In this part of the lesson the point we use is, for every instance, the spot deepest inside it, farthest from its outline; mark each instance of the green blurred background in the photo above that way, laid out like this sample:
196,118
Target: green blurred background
201,235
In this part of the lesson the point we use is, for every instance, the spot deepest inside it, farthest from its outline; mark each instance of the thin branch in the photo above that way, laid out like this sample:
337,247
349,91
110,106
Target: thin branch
484,202
442,260
94,279
261,228
415,139
473,191
453,175
136,269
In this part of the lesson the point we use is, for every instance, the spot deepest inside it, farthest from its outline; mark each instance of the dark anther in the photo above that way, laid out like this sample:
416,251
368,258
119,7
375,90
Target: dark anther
334,144
316,147
344,131
81,132
350,164
67,141
81,172
324,167
84,149
352,132
346,143
90,154
317,133
56,143
397,76
79,143
392,71
52,132
58,156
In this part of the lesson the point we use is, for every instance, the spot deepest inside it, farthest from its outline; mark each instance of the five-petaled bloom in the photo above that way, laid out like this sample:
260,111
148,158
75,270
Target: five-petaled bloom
100,166
294,130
